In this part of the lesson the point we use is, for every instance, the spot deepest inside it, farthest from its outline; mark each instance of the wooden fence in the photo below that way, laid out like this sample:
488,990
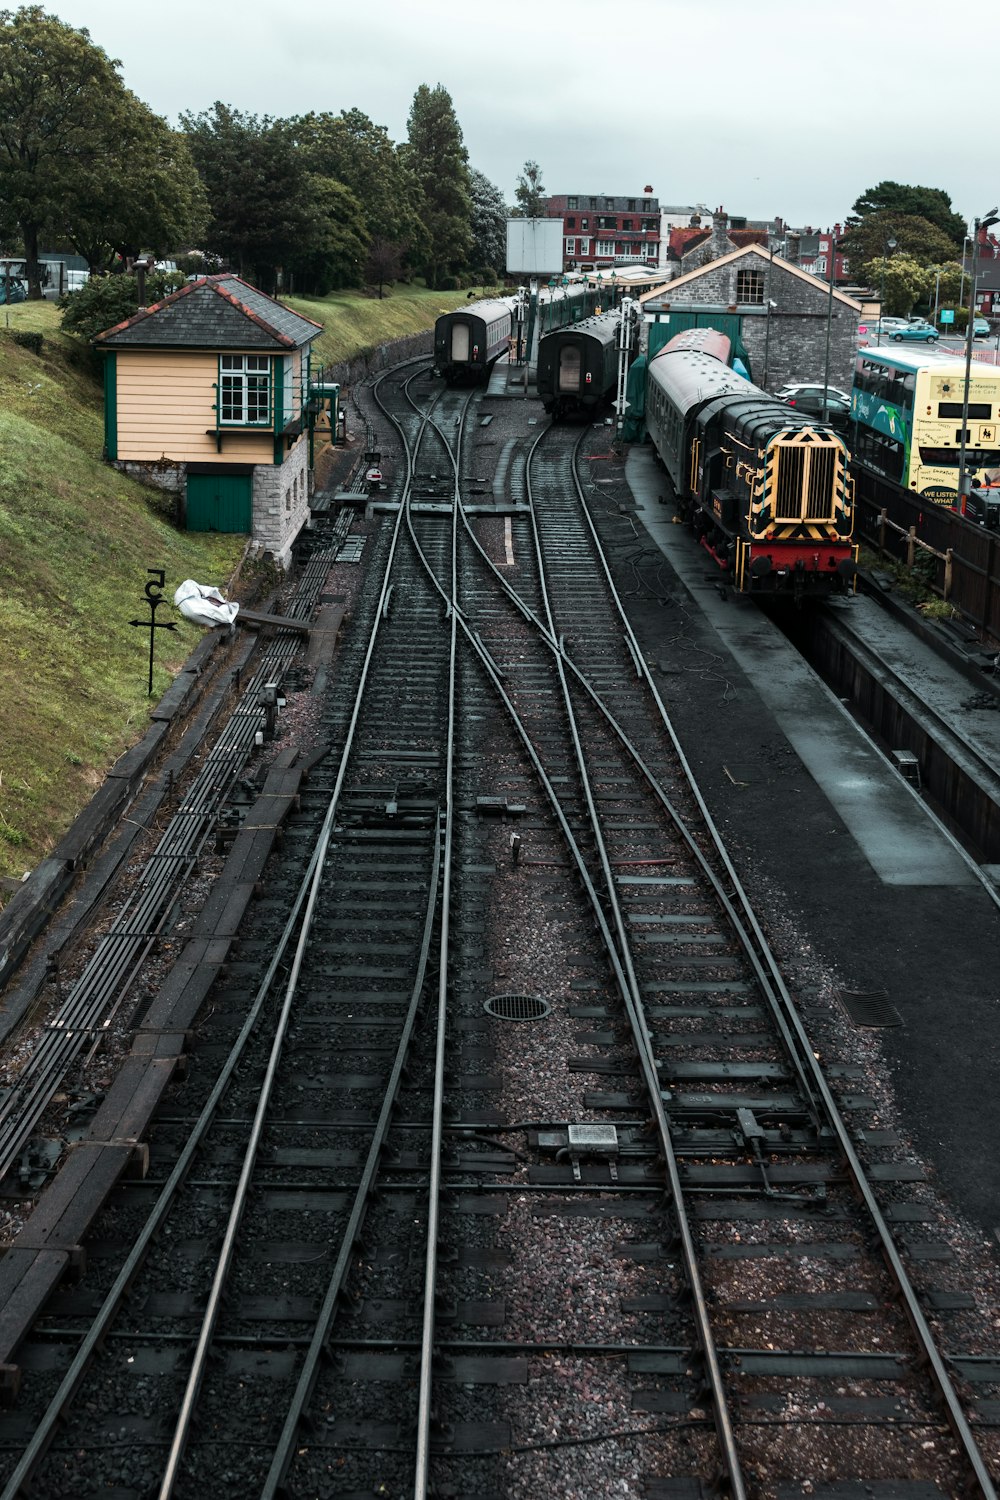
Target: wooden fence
961,561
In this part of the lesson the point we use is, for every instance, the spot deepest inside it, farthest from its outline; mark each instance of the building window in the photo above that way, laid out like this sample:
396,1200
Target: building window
605,247
631,205
571,246
750,287
584,223
626,223
646,205
245,390
584,247
571,203
609,203
570,223
591,202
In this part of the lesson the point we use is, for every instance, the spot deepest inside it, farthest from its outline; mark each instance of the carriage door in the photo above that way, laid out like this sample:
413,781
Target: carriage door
460,342
569,367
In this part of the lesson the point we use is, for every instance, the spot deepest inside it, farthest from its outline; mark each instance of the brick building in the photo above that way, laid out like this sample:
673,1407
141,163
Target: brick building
601,231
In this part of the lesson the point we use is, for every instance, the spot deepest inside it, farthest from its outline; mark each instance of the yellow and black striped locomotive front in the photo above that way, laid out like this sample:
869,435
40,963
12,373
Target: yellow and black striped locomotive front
775,503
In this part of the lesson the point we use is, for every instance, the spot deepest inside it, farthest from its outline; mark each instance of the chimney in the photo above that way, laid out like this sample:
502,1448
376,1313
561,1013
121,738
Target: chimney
720,240
792,249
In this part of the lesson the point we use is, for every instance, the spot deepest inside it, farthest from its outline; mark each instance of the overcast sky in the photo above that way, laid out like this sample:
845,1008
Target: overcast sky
765,107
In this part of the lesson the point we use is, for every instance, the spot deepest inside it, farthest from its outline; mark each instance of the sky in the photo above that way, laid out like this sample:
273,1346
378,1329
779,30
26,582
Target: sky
765,108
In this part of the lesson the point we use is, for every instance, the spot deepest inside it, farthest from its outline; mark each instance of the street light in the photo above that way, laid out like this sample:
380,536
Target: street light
887,249
963,478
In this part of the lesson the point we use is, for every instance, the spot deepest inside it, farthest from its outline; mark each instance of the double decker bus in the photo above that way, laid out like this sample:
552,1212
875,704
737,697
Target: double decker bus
906,415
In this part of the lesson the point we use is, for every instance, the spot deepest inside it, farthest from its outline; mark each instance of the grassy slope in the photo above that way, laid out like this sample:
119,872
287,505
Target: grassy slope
352,323
76,539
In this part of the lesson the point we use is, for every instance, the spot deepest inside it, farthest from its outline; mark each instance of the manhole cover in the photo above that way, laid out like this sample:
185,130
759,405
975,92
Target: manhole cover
517,1007
869,1008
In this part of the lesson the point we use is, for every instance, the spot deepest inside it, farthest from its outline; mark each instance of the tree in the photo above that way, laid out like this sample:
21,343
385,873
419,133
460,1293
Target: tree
351,149
259,191
145,196
529,195
332,252
489,224
384,263
56,91
439,162
906,282
900,201
866,242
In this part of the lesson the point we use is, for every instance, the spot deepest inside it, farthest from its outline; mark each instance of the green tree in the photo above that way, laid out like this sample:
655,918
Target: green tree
865,243
147,195
56,90
333,251
259,190
106,301
439,162
351,149
900,201
489,224
907,280
529,195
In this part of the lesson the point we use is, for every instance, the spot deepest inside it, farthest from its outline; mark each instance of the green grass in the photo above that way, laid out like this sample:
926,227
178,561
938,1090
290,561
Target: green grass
76,540
353,323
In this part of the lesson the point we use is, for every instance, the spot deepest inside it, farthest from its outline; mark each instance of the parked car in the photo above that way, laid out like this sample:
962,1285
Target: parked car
809,389
836,409
980,328
888,325
915,333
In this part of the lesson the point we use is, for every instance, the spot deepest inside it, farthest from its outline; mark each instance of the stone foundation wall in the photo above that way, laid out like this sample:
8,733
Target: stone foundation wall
281,503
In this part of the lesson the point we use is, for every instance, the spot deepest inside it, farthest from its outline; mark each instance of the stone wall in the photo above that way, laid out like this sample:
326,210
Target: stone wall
281,503
787,342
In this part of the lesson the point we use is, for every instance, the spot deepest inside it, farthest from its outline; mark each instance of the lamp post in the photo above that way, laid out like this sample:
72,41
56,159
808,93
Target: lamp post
963,478
829,326
887,250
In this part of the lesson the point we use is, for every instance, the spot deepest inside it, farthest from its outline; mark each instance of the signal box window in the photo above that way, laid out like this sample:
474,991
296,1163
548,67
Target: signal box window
244,389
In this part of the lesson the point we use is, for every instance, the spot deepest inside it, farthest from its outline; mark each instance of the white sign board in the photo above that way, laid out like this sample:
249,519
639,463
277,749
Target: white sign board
534,247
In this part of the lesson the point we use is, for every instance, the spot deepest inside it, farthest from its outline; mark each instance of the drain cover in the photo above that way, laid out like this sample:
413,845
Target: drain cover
869,1008
517,1007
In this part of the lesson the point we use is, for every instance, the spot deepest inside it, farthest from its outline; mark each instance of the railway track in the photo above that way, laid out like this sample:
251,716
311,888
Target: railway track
505,1162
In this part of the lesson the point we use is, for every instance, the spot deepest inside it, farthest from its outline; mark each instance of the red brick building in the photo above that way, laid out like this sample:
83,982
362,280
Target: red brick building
601,231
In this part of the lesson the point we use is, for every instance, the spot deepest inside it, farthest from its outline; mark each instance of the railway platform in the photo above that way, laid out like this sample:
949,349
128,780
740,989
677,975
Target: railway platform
819,814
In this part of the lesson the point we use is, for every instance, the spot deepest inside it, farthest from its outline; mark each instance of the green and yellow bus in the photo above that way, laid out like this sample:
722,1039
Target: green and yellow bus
906,419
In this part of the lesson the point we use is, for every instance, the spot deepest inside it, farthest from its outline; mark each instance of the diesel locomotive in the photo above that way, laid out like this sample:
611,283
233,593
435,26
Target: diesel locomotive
765,489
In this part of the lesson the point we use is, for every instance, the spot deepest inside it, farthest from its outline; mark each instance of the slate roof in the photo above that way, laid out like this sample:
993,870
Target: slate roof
215,312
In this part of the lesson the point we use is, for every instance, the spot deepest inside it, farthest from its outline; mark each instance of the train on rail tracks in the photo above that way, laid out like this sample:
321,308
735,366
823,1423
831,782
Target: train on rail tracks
578,366
469,340
765,489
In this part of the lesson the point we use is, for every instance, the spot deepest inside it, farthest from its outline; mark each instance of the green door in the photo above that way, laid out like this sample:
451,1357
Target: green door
219,502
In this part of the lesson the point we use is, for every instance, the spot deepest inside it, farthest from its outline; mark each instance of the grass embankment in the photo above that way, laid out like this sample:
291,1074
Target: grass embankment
76,540
352,323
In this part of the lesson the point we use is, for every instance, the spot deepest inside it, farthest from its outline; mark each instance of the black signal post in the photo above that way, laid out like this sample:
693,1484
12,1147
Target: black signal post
154,583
